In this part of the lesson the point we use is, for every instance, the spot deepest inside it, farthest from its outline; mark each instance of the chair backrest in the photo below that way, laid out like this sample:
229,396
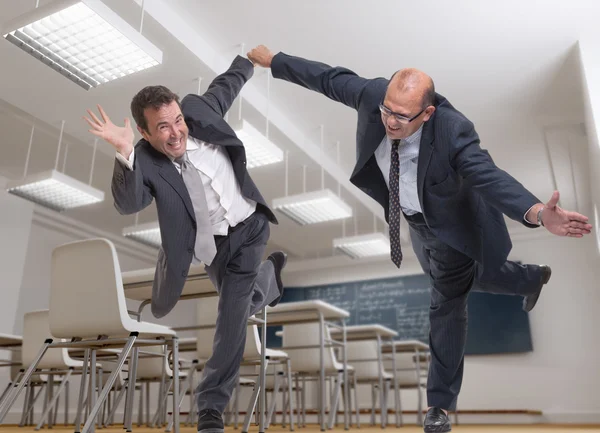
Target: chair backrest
307,360
86,293
363,356
151,367
36,331
407,373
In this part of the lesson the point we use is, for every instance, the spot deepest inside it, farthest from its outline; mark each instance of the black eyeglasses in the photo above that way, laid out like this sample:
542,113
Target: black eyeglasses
399,117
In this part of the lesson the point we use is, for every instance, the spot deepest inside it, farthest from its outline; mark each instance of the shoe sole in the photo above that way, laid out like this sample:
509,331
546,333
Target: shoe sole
437,428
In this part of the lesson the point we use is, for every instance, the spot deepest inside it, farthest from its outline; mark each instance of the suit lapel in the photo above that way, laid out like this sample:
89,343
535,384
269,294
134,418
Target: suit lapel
169,173
371,136
425,152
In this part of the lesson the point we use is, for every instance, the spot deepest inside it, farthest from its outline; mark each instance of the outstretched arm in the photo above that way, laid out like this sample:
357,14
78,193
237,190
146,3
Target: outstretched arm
223,90
337,83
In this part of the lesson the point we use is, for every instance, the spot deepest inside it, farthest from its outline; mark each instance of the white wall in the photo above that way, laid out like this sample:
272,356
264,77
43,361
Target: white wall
560,377
589,55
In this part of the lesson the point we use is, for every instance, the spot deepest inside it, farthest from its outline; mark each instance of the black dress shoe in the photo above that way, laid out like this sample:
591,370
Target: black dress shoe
436,421
530,301
279,259
210,421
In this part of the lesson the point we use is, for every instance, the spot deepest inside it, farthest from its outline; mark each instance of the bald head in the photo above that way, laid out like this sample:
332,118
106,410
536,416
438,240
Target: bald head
414,84
408,103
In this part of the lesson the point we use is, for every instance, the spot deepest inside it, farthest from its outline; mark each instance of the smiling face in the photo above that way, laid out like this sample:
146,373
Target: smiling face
166,131
407,103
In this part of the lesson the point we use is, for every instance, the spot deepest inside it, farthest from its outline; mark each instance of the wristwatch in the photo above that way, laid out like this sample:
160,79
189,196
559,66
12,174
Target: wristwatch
539,217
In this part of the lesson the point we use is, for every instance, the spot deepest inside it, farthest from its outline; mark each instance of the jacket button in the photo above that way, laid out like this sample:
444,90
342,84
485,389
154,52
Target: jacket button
190,250
184,273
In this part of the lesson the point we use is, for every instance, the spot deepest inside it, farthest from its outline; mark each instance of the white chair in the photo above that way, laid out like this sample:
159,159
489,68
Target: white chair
411,373
365,356
87,306
57,362
302,343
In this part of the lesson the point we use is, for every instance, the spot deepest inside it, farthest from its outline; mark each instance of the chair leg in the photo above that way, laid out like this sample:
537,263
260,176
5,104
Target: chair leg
356,401
82,391
55,399
273,404
334,401
141,406
26,403
147,404
188,384
290,393
115,405
253,401
67,401
176,421
12,396
28,415
131,390
109,384
420,408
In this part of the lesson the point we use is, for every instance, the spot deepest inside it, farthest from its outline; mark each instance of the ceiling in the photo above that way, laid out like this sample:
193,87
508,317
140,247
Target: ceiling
510,66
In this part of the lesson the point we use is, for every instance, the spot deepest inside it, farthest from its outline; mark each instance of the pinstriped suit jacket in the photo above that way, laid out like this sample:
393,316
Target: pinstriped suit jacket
462,193
155,177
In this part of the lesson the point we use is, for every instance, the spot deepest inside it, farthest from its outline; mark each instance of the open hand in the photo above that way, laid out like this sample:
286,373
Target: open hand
564,223
121,138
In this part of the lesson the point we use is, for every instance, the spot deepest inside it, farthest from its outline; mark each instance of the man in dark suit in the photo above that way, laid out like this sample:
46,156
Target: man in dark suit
209,210
418,156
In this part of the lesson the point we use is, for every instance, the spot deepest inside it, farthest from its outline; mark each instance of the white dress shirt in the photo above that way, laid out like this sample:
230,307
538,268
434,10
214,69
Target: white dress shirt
226,204
408,155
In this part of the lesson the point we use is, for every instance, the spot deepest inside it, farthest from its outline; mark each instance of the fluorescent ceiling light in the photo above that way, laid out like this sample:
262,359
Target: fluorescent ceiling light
148,234
259,149
313,207
83,40
56,191
373,244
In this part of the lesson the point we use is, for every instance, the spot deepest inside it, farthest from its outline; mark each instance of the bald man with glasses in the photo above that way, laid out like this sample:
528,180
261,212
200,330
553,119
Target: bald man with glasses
419,157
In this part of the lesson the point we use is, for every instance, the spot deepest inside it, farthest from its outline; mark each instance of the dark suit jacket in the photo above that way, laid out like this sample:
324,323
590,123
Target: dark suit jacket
462,193
154,176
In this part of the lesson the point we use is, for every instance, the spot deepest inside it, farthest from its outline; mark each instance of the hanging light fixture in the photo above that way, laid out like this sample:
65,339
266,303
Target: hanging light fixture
84,40
53,189
359,246
312,207
148,234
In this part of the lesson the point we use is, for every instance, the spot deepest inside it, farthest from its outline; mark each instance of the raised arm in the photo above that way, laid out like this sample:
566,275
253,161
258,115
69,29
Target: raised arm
223,90
337,83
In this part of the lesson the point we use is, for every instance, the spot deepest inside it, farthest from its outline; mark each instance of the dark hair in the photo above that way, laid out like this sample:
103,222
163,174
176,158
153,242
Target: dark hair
150,96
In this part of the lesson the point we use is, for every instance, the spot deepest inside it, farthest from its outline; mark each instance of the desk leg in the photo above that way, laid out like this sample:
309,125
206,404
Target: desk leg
322,371
382,402
263,358
347,405
397,406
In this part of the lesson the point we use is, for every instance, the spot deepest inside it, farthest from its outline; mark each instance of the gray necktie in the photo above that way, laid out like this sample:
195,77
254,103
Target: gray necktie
205,248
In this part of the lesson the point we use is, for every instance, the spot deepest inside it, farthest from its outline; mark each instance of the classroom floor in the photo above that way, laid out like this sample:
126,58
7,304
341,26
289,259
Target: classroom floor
315,429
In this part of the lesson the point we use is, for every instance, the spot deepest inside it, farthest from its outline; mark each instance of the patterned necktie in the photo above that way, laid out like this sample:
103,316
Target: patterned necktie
394,213
204,248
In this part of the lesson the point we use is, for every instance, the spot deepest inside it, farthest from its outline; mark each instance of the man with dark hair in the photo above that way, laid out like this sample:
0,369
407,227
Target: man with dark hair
419,156
209,210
